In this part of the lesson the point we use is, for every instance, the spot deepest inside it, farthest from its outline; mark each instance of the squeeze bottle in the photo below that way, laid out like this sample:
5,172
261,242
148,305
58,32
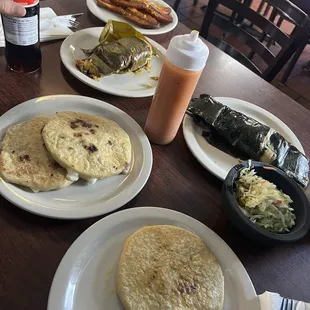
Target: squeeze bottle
185,59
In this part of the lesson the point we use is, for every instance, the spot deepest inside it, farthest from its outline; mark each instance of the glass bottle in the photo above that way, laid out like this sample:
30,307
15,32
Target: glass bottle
22,38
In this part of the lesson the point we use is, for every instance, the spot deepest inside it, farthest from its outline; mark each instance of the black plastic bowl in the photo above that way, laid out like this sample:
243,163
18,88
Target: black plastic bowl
300,204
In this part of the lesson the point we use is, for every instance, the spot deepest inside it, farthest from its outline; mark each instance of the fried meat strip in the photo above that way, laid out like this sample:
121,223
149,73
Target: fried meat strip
139,5
132,14
140,17
158,14
111,7
164,10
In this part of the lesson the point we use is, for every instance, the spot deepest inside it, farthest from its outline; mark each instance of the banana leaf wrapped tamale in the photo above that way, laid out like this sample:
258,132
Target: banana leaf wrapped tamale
121,49
249,136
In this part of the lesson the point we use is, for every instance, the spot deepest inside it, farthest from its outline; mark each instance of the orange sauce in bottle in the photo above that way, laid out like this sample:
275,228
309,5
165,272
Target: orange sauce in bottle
173,93
185,59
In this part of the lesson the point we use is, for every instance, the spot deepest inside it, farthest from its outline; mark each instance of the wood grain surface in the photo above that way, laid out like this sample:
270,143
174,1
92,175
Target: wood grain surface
31,247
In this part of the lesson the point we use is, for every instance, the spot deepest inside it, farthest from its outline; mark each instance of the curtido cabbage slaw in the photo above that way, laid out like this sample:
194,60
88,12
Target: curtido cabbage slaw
263,203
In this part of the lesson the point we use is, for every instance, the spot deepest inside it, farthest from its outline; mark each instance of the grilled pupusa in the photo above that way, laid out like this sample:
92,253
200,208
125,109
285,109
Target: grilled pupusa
167,267
24,159
88,146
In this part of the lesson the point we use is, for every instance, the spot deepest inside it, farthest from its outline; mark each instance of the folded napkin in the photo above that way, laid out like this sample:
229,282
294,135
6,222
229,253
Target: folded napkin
51,27
272,301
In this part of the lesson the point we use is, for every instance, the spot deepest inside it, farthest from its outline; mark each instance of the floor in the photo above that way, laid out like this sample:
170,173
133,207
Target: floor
298,85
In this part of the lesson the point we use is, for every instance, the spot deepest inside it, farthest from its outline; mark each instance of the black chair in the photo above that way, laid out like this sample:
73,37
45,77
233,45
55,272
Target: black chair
294,60
304,5
261,6
228,29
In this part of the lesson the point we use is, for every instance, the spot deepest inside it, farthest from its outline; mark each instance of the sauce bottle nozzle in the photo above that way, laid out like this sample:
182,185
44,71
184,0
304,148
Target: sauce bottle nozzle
188,51
194,36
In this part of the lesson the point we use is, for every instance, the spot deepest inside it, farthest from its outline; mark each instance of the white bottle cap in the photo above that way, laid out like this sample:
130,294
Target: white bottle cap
188,52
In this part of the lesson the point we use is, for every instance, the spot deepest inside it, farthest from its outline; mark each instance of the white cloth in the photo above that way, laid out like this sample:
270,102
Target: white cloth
272,301
48,31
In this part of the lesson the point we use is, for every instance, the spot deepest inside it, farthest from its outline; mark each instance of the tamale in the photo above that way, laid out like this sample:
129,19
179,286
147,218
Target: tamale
115,55
94,67
115,30
121,49
258,141
139,51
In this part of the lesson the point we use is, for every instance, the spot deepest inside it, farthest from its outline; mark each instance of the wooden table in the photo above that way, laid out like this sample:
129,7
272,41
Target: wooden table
31,247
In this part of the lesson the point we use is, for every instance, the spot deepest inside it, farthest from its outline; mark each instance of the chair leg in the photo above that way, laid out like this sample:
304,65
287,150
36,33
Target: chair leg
207,19
176,5
293,61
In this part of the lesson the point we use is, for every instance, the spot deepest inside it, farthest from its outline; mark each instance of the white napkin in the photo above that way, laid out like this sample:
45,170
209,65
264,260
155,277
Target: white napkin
272,301
48,31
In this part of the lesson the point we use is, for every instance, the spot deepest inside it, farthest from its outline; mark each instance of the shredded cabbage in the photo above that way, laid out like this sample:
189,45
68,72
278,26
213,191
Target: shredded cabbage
263,203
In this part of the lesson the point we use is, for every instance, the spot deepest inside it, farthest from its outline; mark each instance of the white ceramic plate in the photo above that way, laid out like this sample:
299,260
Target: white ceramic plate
218,162
127,85
104,15
85,278
80,200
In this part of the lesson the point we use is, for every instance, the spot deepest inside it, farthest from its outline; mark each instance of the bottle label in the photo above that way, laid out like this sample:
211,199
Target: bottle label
21,31
27,3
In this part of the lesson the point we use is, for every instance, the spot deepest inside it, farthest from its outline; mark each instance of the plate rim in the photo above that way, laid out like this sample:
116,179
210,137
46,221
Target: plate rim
66,214
92,8
196,150
63,271
148,92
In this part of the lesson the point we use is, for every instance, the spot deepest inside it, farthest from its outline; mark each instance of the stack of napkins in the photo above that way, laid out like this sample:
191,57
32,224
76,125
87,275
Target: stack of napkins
48,29
273,301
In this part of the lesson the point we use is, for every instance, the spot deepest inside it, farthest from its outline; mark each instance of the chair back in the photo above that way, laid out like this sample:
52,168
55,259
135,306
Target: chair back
225,31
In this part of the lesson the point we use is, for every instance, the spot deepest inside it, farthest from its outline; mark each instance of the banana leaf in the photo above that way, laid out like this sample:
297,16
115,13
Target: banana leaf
115,55
93,67
139,50
121,49
115,30
247,135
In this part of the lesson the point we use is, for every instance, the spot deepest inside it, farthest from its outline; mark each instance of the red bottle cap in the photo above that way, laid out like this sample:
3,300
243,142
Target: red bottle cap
26,2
